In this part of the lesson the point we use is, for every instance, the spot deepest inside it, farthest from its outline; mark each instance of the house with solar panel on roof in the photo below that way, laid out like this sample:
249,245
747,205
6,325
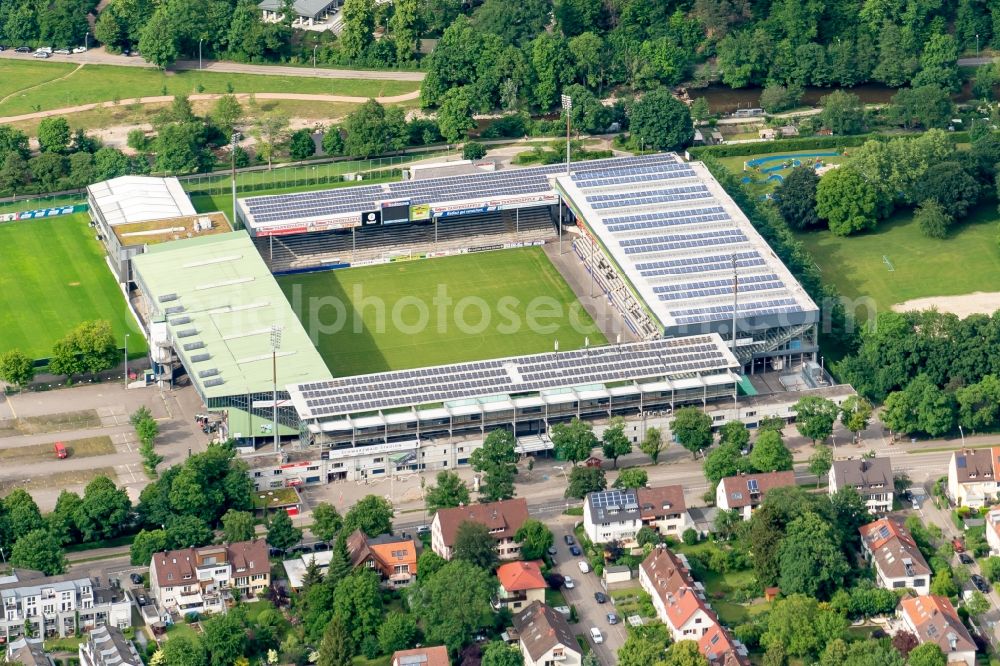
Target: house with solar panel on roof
745,492
618,515
972,477
892,551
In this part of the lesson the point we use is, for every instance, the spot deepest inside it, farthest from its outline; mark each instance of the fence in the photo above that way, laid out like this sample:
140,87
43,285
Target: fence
49,201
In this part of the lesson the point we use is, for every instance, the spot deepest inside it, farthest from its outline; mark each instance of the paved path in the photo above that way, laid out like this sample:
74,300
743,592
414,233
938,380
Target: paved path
161,99
102,57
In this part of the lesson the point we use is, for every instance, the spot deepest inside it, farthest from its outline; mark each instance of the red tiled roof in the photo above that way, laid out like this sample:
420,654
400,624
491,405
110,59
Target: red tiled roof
435,656
176,566
660,501
738,493
720,649
503,518
518,576
936,621
892,547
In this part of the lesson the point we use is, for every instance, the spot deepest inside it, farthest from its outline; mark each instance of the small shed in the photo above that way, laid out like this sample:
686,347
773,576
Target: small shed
789,130
593,461
771,593
767,133
616,577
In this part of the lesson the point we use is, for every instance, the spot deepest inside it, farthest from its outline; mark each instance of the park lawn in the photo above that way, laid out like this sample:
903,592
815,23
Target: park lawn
104,83
965,262
54,277
476,324
761,186
16,75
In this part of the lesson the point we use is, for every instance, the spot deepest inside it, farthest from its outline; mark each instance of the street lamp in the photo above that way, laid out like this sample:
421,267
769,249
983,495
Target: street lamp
977,46
962,433
316,46
126,361
200,40
275,346
234,141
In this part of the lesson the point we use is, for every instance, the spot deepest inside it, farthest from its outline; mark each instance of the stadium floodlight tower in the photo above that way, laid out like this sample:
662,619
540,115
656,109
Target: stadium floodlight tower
275,346
736,280
567,105
234,142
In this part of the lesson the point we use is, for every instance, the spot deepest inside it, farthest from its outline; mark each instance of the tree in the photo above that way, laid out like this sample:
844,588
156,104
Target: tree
271,131
184,649
62,520
928,106
798,624
473,151
13,141
398,631
281,533
449,492
39,550
652,443
454,117
692,428
336,648
573,441
725,460
453,603
16,368
513,24
927,654
13,173
614,441
943,584
104,511
700,110
904,642
359,24
22,513
535,539
978,404
111,163
227,112
333,142
327,522
640,650
53,134
475,544
820,462
843,112
340,561
496,460
991,568
188,532
180,148
225,637
429,563
684,653
358,601
846,201
661,121
770,453
977,604
498,653
47,169
810,558
855,414
632,477
145,544
584,480
301,145
81,169
159,40
241,526
796,198
814,417
951,186
405,26
775,98
372,515
373,130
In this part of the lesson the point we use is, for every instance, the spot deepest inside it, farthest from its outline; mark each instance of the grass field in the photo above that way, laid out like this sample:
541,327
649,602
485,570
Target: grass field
101,83
76,448
965,262
53,277
382,307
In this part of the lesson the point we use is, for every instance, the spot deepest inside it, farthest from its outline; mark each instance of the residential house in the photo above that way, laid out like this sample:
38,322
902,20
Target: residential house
108,647
393,558
612,515
993,531
425,656
972,475
680,604
663,508
200,580
898,563
28,652
521,583
503,519
306,12
871,477
933,619
59,605
745,492
545,637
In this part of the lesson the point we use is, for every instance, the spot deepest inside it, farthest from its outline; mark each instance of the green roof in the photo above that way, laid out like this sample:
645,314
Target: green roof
270,499
218,299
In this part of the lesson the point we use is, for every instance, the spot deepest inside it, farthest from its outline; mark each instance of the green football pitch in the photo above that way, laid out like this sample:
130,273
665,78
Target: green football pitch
52,277
437,311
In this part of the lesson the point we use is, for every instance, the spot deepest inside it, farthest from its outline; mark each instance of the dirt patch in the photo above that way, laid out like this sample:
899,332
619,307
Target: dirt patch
35,425
980,302
76,477
74,284
76,448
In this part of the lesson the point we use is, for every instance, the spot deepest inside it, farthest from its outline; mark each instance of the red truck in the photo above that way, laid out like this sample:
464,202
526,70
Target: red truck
60,450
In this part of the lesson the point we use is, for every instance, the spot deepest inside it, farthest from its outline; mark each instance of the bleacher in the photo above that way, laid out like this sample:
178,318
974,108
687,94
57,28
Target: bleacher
284,253
614,287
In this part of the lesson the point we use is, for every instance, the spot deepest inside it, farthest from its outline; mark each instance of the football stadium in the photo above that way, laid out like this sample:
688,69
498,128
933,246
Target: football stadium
397,323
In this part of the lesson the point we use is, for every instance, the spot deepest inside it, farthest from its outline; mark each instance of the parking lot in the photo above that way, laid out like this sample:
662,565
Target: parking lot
585,586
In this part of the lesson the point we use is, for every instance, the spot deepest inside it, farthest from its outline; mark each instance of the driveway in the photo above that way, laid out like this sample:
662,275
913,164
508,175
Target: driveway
590,613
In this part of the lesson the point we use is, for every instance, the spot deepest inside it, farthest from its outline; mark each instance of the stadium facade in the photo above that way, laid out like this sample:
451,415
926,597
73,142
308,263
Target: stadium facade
662,242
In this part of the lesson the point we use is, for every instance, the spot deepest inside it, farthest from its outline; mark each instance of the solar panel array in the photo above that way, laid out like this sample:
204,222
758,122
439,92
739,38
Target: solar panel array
676,238
487,185
656,359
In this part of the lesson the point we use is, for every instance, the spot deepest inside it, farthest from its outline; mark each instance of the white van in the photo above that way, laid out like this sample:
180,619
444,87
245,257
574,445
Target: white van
584,567
596,635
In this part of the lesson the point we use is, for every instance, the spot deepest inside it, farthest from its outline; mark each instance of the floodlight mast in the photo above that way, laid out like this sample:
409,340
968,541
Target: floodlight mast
736,280
275,346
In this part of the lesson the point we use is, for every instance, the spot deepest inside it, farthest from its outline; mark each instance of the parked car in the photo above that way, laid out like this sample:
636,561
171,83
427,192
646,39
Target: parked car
62,51
142,600
552,551
40,54
596,634
424,529
958,545
275,552
135,578
22,49
569,540
612,618
568,583
584,566
319,546
980,583
302,549
574,551
60,450
2,48
965,558
600,597
44,49
79,49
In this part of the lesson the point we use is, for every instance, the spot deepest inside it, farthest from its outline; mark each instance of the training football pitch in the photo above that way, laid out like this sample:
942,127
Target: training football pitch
436,311
53,276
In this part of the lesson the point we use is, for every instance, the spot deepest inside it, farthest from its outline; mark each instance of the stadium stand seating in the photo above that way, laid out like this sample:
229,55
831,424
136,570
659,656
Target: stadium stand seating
613,285
285,253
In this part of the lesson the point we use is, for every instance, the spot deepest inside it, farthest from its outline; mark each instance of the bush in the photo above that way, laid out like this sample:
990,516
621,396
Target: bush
473,151
137,140
513,126
191,618
690,536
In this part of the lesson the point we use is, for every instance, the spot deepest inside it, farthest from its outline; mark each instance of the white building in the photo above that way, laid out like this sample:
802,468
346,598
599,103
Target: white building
545,637
993,531
200,580
745,492
108,647
898,562
972,476
59,605
503,519
933,619
617,515
871,477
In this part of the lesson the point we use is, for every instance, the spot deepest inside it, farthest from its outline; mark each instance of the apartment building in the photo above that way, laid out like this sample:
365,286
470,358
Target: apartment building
203,580
59,605
898,563
108,647
745,492
503,519
871,477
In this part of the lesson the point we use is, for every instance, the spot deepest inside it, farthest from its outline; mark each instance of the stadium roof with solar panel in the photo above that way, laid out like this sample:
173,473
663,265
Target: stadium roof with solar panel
671,231
679,364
